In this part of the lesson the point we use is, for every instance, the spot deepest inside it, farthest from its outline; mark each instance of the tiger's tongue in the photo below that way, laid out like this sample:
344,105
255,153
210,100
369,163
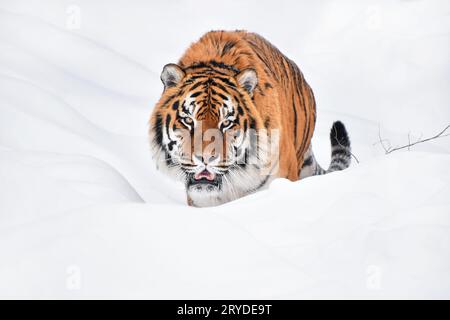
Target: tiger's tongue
205,174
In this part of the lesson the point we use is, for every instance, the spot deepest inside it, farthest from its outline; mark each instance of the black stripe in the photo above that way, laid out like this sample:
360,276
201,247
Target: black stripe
170,145
338,161
266,178
212,64
223,66
267,122
198,65
226,81
307,162
224,97
304,107
158,129
340,152
252,122
295,120
199,76
198,84
168,118
256,50
164,104
218,85
196,94
227,47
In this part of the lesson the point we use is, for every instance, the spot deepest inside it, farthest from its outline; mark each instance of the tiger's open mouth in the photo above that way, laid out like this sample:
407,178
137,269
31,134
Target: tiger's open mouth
204,181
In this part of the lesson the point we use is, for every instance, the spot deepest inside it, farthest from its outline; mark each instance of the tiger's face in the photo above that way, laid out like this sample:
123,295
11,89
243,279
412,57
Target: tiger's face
204,131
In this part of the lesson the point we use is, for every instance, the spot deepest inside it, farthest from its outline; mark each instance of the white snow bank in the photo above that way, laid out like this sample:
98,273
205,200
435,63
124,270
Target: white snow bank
54,183
340,231
84,213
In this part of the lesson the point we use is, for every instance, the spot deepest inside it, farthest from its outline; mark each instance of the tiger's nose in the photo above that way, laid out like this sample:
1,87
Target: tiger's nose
206,159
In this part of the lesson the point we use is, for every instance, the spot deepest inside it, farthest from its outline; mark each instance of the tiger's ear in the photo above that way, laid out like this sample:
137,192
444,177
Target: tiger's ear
171,75
248,80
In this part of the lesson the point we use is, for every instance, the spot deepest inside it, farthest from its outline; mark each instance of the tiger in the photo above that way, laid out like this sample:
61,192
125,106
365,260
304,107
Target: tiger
237,82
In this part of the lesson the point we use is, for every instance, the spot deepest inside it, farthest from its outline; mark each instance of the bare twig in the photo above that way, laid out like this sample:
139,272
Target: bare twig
389,149
409,140
381,141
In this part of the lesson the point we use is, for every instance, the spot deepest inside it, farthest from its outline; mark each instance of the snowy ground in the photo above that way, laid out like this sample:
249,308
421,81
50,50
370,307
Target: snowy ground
84,213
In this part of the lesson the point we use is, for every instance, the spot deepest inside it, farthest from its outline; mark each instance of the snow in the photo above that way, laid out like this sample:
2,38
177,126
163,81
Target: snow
85,214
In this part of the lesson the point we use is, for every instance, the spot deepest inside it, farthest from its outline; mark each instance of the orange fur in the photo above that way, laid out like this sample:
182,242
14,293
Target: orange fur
281,100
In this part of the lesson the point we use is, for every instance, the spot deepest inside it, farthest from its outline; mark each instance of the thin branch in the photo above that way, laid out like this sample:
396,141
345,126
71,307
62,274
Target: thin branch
354,157
389,149
409,140
381,141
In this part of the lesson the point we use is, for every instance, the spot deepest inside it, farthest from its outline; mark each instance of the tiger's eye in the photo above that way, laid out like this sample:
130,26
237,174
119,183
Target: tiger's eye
226,122
188,120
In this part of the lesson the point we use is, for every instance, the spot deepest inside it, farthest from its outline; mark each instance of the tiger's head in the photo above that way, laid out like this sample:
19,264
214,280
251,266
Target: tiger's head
206,132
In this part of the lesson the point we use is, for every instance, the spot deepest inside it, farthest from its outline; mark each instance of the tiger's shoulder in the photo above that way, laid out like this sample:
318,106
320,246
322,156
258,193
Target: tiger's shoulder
238,49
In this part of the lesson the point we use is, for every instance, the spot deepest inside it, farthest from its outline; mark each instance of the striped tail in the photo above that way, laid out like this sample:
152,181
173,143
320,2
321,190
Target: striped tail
341,155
